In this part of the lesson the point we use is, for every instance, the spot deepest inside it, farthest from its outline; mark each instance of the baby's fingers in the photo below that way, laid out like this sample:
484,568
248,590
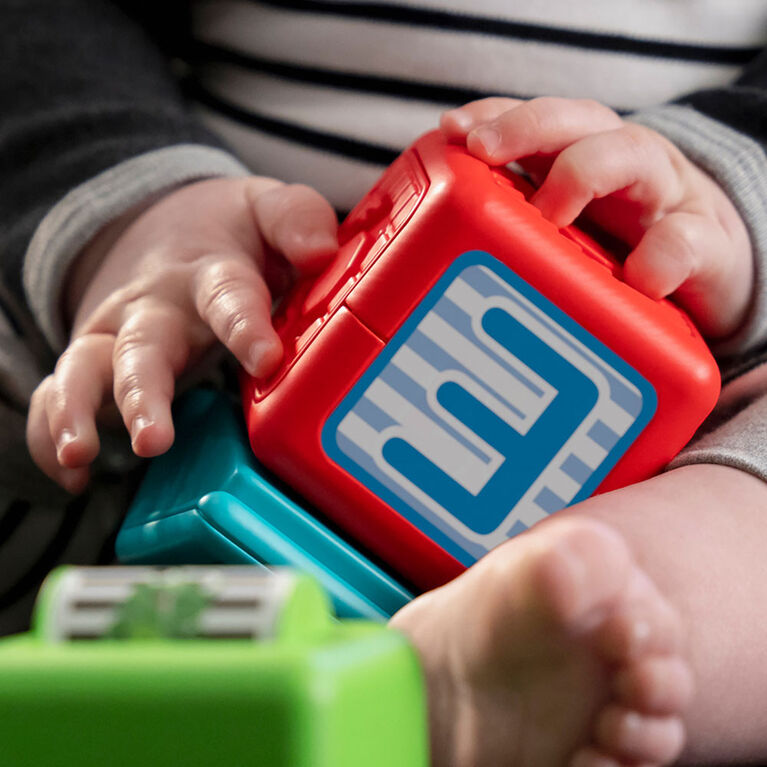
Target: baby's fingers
61,427
76,390
233,300
632,160
689,255
456,123
42,447
150,351
298,222
540,126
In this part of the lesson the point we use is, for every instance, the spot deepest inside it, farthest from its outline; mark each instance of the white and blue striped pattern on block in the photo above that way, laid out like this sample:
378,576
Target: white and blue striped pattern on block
489,409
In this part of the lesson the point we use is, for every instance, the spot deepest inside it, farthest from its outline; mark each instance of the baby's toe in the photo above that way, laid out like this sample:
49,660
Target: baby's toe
642,624
589,756
639,738
579,569
655,685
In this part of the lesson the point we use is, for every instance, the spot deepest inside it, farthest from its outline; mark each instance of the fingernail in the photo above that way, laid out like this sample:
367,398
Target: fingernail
65,437
138,425
318,241
543,205
489,138
461,120
261,358
311,243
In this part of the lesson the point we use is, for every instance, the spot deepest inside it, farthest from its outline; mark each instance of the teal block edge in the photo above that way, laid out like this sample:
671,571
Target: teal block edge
209,501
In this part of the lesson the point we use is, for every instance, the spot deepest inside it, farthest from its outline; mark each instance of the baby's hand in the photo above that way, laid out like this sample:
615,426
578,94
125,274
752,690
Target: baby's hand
687,238
186,271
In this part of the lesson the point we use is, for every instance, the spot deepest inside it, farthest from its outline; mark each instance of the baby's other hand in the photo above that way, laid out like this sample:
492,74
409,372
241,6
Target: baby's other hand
187,270
687,239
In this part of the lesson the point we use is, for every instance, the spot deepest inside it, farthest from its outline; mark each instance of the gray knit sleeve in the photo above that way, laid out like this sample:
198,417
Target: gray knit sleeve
736,432
739,165
724,131
93,121
76,218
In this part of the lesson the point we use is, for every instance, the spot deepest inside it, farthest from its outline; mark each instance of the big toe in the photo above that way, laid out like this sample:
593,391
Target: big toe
580,569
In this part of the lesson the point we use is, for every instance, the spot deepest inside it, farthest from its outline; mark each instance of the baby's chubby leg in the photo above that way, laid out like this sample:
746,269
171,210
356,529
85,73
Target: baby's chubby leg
686,236
580,641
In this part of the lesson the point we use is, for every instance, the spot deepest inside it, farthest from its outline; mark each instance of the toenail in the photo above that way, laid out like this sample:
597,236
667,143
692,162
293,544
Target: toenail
640,634
639,738
627,635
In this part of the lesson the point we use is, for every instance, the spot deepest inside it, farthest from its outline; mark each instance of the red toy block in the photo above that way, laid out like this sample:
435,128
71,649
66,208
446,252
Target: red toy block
463,368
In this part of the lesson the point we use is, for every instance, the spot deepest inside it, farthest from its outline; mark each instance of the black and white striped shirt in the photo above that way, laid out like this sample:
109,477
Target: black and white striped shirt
329,92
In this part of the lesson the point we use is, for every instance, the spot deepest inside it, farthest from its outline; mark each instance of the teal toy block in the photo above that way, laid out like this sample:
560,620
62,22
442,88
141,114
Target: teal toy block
209,501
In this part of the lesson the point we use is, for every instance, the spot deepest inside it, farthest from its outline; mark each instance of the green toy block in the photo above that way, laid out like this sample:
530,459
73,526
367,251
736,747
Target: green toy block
205,666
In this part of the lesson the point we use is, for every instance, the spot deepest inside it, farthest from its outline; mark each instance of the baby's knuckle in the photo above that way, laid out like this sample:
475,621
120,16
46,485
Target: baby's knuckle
639,138
78,348
256,187
683,241
56,399
140,309
68,358
637,131
300,190
133,336
295,200
544,113
221,272
598,109
543,105
278,199
223,281
642,146
236,327
129,391
491,103
158,265
41,390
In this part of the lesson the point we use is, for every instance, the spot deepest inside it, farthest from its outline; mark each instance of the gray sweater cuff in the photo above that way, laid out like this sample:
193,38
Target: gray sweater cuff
740,442
75,219
739,165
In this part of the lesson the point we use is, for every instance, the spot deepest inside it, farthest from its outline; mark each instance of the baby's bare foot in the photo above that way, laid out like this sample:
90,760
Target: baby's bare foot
555,649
